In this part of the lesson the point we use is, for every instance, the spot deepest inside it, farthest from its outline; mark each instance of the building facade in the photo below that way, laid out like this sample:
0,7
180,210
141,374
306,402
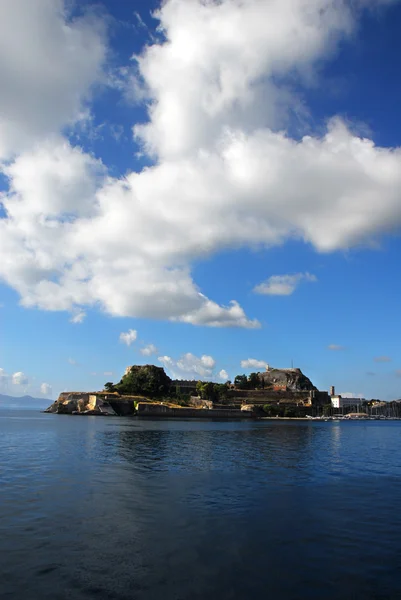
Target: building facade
340,402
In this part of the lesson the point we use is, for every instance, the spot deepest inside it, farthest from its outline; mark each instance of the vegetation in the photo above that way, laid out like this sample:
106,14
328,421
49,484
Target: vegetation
291,412
146,380
110,387
275,410
216,392
241,382
327,410
252,382
270,410
179,398
152,382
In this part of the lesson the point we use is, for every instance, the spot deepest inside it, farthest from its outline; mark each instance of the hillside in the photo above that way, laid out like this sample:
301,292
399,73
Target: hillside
23,402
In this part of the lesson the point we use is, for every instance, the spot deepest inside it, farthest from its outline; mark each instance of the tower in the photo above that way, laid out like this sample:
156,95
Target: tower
332,390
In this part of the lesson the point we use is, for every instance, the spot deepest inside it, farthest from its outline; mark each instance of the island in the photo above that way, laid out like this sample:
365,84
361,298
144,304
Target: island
147,391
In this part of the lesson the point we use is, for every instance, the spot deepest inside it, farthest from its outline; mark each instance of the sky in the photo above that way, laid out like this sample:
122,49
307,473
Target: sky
210,186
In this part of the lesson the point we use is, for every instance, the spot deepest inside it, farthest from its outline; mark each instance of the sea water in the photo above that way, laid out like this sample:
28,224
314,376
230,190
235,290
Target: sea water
122,508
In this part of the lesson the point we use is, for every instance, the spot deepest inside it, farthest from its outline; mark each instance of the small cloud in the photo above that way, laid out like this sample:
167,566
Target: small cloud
283,285
140,21
335,347
129,337
46,389
148,350
382,359
223,375
108,373
189,366
19,378
78,317
398,372
253,363
211,314
72,362
370,373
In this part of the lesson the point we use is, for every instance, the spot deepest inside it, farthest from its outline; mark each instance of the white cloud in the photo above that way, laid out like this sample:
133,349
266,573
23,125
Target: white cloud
49,64
335,347
108,373
46,389
217,66
129,337
253,363
223,375
72,362
4,378
75,237
382,359
283,285
78,317
189,366
148,350
19,378
211,314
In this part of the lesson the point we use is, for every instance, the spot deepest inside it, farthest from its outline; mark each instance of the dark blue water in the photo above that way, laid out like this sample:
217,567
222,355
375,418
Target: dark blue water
126,509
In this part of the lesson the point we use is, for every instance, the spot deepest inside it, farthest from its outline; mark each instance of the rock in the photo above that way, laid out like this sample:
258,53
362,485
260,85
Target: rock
67,407
292,379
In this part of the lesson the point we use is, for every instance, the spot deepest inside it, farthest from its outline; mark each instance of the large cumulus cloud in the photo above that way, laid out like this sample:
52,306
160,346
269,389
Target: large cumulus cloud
225,173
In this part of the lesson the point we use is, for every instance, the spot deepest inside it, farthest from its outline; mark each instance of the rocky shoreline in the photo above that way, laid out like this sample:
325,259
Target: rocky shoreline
109,405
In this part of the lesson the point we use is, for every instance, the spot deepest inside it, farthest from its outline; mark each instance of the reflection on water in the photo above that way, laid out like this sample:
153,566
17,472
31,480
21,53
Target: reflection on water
122,508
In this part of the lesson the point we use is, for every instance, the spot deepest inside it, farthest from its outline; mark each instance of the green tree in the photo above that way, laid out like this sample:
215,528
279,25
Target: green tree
220,392
223,391
254,381
216,392
209,390
205,389
290,412
270,410
146,380
241,382
201,389
109,386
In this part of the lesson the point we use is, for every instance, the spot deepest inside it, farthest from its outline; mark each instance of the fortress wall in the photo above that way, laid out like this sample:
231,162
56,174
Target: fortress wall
158,410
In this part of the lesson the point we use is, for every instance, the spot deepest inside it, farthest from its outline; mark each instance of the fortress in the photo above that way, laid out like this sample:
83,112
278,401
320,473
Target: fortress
147,390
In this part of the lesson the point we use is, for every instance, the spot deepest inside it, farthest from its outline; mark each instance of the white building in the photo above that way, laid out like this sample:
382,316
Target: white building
340,402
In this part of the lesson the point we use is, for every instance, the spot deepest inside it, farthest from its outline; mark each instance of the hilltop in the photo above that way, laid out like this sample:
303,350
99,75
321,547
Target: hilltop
292,379
23,401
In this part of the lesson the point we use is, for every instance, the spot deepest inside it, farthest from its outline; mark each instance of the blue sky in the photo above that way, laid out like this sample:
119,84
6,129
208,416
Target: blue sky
208,186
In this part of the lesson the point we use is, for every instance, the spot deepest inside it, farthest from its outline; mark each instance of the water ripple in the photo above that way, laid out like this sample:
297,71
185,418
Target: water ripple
121,509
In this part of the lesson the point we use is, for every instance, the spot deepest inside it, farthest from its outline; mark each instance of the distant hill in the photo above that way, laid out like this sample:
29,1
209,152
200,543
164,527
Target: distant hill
23,402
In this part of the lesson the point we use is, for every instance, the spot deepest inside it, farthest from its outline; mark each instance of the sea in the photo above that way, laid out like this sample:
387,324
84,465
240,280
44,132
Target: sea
122,508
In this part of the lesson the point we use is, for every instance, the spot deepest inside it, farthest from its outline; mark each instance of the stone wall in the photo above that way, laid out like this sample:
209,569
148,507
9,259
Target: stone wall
159,410
269,395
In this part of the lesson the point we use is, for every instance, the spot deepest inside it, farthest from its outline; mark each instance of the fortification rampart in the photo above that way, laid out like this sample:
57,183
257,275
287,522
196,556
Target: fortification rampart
159,410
